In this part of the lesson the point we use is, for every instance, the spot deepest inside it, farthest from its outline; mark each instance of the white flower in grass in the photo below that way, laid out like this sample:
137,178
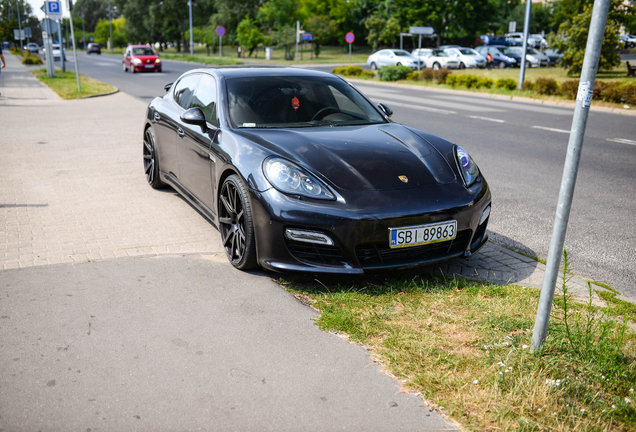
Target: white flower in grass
539,410
583,410
628,400
613,406
476,382
631,390
525,347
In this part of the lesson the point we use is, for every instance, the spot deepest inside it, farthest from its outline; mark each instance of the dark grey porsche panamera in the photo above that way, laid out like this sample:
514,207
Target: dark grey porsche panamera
300,172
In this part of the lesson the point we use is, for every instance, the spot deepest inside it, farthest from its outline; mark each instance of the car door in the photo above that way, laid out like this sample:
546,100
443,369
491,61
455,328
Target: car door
194,145
127,58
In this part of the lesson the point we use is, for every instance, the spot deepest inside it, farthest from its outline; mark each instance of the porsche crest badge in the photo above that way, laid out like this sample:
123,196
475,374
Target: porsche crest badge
404,179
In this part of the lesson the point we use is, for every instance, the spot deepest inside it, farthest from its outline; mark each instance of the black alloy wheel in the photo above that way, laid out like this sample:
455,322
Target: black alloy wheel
235,223
151,166
462,65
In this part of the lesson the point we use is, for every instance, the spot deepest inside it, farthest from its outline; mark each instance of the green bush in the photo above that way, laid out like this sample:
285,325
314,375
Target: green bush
413,76
393,73
348,70
32,60
484,82
468,81
367,74
569,88
546,86
527,85
441,75
506,83
451,80
427,74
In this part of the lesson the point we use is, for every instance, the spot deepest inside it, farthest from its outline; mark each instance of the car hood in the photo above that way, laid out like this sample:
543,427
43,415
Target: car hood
144,58
374,157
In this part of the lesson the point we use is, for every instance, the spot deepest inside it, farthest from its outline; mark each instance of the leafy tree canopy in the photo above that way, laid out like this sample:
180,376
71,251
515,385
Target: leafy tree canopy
248,34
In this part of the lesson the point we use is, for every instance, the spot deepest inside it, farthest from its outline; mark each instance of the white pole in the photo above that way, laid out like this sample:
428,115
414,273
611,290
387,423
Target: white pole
191,36
77,74
297,37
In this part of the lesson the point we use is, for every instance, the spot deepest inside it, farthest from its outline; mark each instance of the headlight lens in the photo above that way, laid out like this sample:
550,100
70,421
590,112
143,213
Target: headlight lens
469,170
289,178
158,61
136,61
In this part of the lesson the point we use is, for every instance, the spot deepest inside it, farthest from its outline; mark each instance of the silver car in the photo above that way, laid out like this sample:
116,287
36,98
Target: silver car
467,57
393,57
436,59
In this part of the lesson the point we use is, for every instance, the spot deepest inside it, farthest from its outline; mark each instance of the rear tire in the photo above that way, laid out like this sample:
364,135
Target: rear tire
502,65
125,68
462,65
436,66
374,66
151,162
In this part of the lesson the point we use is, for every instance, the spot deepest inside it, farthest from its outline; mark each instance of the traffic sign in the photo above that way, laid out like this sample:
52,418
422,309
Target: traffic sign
307,37
54,9
350,37
220,30
422,30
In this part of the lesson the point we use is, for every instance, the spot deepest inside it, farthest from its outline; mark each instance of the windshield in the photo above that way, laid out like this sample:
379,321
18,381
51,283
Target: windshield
143,51
290,101
467,51
401,53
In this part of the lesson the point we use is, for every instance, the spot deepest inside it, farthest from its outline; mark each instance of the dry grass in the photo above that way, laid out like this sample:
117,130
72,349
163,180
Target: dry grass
463,346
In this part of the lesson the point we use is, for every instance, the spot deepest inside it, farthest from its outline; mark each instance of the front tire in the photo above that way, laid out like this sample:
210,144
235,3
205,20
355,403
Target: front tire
462,65
502,65
125,68
236,224
436,66
374,66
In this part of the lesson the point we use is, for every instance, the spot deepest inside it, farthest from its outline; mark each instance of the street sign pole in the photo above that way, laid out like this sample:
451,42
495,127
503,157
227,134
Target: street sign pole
350,38
51,9
421,31
220,31
59,28
191,36
575,145
526,26
19,24
297,38
77,74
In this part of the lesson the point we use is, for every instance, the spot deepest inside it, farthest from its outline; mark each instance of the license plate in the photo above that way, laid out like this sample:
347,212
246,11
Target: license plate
422,234
149,66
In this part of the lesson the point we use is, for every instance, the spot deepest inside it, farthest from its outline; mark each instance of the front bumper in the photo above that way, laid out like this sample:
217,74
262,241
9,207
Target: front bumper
360,229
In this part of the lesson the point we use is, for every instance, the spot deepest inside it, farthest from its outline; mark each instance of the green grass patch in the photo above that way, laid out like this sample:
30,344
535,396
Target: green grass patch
618,307
464,346
65,84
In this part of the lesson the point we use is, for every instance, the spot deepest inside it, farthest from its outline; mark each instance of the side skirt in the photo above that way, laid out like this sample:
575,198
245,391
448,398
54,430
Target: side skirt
194,201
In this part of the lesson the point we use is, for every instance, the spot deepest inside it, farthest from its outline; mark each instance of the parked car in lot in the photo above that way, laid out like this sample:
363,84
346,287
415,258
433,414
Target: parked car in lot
32,48
141,58
467,57
533,57
393,57
629,41
499,59
537,41
94,48
436,58
57,52
515,38
554,56
302,173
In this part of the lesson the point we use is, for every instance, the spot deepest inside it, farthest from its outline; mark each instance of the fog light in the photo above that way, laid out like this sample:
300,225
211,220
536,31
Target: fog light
308,236
484,215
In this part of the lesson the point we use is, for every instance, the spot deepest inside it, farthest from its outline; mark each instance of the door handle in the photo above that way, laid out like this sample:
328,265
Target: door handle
157,117
181,132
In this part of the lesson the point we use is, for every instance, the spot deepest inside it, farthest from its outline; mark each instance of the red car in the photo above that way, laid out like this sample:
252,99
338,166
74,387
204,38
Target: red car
141,58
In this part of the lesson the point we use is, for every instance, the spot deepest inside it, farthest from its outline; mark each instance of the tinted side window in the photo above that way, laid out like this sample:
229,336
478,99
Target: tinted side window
185,89
206,98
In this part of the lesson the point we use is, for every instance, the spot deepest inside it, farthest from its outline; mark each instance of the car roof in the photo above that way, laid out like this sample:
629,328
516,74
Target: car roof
243,71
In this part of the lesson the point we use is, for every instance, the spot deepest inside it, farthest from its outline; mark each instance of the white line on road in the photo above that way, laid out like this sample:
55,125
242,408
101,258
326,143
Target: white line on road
487,119
552,129
622,141
418,107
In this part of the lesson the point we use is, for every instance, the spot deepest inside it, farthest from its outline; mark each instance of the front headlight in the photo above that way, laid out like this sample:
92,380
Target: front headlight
290,178
467,167
158,61
136,61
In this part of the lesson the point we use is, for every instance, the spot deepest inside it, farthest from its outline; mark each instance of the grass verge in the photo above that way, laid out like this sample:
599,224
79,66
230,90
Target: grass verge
65,84
464,346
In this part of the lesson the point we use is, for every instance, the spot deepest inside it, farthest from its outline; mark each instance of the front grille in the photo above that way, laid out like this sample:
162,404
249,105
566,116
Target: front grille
315,254
381,255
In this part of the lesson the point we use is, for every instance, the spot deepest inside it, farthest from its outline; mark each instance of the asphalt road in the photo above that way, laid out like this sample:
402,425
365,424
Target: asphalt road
521,149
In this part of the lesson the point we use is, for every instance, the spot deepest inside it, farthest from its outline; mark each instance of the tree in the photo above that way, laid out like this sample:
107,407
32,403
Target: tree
9,20
248,34
231,12
94,11
381,30
286,39
203,34
323,30
102,32
572,40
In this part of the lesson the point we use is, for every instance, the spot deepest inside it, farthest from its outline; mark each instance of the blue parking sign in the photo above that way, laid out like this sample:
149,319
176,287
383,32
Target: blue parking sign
54,9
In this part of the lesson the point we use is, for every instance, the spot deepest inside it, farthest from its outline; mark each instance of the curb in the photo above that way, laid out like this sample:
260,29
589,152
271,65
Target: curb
99,94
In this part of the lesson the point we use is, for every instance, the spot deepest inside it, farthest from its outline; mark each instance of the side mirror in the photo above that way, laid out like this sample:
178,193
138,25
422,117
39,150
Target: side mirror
195,116
385,109
167,87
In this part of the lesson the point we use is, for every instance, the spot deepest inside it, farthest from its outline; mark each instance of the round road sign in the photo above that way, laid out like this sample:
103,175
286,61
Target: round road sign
349,37
220,30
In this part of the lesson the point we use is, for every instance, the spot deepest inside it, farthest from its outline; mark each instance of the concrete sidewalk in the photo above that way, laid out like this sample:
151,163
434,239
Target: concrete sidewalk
119,310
